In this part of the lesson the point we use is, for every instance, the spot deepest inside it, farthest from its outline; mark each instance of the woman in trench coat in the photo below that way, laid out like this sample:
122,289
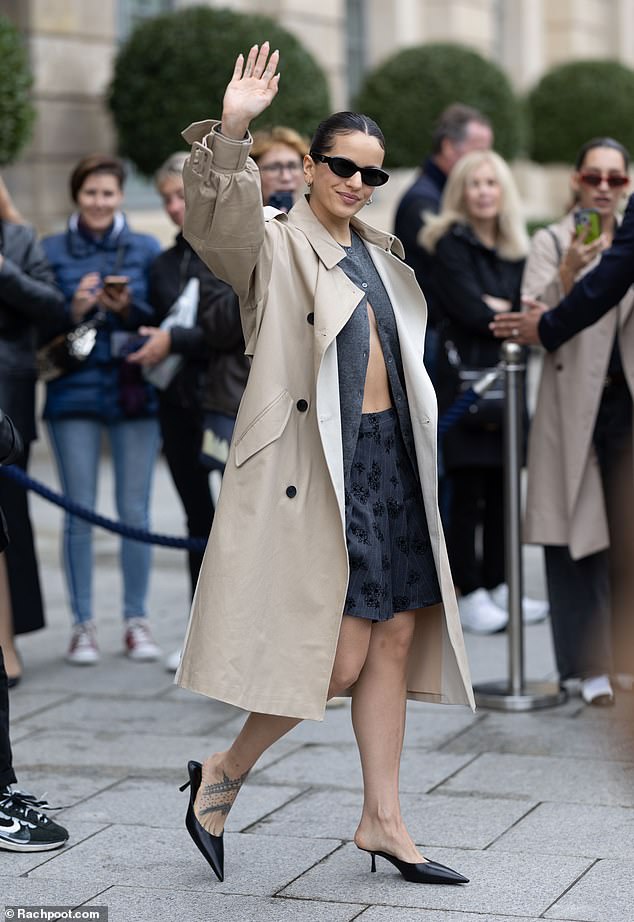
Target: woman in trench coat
271,628
580,444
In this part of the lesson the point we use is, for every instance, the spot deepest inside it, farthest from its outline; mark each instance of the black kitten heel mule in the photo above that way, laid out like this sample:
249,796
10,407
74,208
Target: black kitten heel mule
211,847
425,872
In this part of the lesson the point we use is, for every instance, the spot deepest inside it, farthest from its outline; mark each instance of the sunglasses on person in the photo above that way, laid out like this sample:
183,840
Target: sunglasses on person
341,166
614,180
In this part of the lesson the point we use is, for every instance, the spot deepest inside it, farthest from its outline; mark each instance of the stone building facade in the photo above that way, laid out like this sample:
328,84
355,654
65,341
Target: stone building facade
72,44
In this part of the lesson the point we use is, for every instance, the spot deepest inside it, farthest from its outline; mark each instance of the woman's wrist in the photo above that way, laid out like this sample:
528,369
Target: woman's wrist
234,128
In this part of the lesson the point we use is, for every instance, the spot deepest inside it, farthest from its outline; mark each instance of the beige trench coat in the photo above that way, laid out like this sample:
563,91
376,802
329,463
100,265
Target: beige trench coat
564,501
267,611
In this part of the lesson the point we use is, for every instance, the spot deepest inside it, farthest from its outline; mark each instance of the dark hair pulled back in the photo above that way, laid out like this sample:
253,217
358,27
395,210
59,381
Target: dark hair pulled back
585,149
344,123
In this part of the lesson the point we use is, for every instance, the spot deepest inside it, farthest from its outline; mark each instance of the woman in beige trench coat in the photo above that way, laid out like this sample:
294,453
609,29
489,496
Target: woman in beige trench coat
580,445
267,631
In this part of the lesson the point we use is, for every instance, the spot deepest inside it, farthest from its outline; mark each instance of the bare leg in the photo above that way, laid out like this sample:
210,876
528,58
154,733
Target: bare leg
7,640
224,772
378,718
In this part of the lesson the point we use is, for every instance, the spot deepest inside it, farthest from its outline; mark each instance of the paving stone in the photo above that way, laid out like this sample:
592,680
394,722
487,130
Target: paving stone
155,905
254,865
64,788
144,802
604,894
391,914
339,766
114,673
530,734
24,702
27,891
545,778
455,822
124,752
579,829
515,885
141,715
21,862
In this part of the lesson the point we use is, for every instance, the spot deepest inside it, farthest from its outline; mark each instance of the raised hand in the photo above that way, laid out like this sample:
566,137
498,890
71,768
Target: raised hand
252,89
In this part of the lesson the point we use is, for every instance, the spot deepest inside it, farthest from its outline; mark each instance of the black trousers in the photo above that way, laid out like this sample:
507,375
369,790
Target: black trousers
182,435
592,599
21,558
7,775
475,536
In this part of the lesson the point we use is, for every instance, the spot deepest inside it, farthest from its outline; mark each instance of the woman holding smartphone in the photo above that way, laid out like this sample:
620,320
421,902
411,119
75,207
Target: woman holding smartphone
102,268
326,567
580,443
279,153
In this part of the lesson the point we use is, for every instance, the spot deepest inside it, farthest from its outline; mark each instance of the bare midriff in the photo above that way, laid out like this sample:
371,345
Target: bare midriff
376,393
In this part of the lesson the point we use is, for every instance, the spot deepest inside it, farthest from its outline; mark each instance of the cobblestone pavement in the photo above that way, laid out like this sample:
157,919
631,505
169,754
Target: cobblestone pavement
537,809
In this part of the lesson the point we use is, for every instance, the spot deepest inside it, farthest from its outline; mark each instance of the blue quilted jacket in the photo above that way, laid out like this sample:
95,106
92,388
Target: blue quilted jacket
99,388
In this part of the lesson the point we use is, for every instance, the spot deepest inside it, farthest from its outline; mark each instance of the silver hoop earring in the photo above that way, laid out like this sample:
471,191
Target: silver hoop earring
370,201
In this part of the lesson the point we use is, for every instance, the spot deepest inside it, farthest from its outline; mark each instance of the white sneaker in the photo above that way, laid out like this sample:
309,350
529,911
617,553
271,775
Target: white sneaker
83,650
597,690
139,643
534,610
172,661
480,615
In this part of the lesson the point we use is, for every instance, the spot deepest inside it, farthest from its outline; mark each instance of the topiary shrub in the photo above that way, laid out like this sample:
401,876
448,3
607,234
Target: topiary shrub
578,101
407,93
174,68
16,111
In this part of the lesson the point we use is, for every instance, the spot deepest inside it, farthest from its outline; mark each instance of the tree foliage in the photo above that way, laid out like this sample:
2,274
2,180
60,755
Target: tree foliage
407,93
578,101
174,68
16,110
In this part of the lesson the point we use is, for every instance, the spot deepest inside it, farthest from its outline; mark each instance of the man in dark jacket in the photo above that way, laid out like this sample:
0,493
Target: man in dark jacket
31,310
459,130
23,827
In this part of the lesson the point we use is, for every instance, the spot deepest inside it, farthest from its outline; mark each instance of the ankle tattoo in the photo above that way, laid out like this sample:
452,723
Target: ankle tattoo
221,794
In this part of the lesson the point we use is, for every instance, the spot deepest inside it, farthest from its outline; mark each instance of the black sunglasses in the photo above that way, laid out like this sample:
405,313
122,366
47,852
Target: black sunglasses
341,166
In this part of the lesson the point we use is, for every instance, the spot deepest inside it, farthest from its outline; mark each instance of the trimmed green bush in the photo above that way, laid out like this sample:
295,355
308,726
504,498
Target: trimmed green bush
407,93
578,101
16,111
174,68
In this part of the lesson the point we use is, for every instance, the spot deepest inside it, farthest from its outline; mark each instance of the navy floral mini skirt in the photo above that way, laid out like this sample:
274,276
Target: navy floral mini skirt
392,567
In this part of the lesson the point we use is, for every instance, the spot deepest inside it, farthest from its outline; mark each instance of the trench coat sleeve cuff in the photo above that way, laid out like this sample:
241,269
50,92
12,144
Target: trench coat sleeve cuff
229,156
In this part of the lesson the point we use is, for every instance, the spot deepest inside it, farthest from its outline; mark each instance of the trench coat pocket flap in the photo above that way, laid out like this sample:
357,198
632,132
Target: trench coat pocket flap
265,428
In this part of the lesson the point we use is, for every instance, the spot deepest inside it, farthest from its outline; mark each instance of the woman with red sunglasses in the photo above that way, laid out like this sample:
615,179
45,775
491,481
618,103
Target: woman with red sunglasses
581,437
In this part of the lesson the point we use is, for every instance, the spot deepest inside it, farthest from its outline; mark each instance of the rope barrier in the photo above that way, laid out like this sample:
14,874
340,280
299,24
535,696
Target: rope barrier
448,419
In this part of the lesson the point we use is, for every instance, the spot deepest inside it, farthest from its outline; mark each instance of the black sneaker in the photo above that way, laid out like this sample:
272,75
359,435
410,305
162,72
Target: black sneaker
25,829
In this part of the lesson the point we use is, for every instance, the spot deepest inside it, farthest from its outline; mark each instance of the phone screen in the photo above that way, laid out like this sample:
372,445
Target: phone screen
588,224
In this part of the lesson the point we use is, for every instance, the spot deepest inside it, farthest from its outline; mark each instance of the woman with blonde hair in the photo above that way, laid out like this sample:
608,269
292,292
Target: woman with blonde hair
479,244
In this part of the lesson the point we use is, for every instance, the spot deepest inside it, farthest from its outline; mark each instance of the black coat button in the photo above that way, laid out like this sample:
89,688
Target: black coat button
302,405
291,492
311,318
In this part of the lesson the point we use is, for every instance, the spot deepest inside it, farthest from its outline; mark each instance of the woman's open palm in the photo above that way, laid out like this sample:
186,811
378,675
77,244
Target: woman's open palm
253,86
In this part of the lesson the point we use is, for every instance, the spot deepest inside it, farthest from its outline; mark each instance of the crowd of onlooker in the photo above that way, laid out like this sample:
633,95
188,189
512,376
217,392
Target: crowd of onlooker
146,347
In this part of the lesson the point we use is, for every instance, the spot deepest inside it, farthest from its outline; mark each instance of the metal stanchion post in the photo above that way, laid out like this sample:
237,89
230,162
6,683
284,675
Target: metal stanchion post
514,693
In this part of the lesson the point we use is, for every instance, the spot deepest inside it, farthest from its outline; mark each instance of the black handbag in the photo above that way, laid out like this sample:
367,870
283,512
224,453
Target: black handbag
68,351
487,413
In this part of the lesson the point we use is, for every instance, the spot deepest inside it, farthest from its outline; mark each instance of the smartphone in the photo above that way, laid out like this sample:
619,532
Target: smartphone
123,343
283,201
115,283
588,223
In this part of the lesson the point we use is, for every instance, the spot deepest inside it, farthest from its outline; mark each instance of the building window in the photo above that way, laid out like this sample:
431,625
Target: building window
130,12
355,45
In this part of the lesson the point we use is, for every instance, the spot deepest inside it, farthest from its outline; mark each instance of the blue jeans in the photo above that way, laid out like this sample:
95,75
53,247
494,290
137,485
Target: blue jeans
77,445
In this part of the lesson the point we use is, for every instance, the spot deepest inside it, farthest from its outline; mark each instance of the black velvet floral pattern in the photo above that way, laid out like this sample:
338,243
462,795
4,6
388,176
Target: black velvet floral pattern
391,563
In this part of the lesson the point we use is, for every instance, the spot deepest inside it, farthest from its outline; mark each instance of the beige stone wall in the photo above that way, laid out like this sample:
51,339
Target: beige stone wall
72,44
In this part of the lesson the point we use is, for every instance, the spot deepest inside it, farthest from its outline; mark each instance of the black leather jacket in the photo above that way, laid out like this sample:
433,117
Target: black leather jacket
31,311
